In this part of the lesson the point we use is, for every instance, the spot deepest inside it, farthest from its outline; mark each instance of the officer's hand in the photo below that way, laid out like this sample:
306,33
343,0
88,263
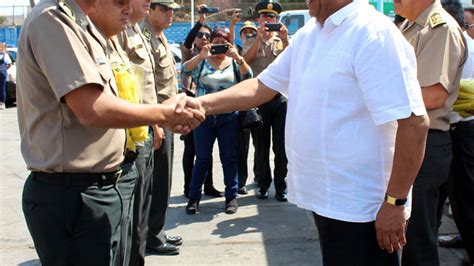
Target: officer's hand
390,226
283,33
158,137
205,51
261,31
184,113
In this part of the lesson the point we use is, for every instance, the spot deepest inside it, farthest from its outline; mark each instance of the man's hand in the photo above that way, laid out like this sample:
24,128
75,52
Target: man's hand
390,226
184,115
283,34
235,17
158,137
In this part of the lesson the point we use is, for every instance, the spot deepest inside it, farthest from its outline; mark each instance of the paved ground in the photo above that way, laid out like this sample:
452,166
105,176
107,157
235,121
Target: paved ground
263,232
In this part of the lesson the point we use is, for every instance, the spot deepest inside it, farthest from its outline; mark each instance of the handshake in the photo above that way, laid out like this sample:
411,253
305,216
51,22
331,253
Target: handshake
183,113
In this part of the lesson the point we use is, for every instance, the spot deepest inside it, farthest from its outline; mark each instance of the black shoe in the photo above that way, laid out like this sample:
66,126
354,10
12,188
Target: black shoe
281,196
231,206
174,240
262,193
242,191
192,207
163,249
466,262
451,241
211,191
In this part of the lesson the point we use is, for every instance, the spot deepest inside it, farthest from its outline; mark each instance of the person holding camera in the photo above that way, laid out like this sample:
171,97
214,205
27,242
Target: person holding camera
199,36
259,52
217,67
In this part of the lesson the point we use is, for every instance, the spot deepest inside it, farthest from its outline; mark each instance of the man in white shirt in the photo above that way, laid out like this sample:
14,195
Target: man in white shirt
356,127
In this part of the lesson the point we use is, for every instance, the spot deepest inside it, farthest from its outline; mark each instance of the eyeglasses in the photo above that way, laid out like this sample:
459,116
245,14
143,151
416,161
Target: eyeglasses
468,26
201,35
268,15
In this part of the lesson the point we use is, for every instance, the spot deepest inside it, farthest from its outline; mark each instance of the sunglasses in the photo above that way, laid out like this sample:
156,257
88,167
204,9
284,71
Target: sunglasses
201,35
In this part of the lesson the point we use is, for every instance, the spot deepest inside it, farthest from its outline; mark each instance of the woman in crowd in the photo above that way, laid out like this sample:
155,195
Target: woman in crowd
212,73
195,40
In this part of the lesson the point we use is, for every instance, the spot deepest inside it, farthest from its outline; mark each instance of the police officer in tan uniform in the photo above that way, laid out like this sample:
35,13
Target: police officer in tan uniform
166,84
441,52
139,53
260,52
68,115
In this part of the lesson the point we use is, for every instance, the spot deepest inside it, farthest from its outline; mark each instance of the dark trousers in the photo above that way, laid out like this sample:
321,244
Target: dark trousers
73,224
272,130
161,188
422,231
188,164
3,92
355,244
126,186
461,183
242,157
142,202
225,128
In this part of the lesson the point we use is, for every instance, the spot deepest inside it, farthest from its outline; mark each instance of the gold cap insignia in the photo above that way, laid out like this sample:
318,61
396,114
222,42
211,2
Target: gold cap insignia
270,6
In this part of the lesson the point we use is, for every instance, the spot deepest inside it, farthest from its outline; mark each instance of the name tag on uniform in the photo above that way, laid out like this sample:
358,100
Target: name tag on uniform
140,46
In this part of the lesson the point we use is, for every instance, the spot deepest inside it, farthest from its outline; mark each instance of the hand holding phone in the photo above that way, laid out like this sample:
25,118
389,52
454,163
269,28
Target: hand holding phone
208,10
272,26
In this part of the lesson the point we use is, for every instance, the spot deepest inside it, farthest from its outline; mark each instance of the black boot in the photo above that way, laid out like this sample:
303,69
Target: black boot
231,206
192,207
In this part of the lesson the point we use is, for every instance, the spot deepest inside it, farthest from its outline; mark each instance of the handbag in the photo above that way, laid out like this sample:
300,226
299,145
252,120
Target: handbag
250,118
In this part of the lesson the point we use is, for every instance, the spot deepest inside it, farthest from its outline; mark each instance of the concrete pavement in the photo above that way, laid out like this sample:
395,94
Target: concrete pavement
262,232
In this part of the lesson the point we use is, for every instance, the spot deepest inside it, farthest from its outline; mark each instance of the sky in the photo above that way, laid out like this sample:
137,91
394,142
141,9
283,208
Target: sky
6,6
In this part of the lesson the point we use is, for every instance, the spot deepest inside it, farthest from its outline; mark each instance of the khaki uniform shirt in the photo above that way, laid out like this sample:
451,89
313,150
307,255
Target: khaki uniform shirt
139,52
266,54
440,52
165,67
59,51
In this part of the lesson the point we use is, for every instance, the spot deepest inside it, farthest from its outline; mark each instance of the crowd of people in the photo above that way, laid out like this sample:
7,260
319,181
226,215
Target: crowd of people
358,112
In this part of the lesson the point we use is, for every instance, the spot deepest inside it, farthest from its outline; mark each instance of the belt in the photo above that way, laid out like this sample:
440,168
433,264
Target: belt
78,179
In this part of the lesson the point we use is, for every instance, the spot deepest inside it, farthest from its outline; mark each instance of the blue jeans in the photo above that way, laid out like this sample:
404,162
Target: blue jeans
225,128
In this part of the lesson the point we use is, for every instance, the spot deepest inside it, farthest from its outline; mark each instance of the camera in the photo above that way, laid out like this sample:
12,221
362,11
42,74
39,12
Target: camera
219,48
208,10
273,26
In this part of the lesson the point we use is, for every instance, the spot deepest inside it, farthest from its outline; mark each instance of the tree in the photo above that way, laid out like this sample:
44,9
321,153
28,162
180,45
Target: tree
2,19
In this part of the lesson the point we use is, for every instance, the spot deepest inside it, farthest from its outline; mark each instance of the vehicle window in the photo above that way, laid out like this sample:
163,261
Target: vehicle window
293,22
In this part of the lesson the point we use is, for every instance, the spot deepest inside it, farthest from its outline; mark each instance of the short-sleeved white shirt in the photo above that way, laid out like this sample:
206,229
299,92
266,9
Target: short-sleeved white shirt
347,83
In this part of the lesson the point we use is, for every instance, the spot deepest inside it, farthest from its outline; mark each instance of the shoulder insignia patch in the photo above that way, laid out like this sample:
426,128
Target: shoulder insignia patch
436,19
66,10
147,34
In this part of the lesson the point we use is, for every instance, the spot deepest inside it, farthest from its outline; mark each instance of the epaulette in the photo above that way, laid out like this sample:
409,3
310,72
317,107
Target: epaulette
66,9
147,33
436,19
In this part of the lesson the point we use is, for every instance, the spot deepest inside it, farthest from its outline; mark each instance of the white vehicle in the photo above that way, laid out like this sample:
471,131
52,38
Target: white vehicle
294,19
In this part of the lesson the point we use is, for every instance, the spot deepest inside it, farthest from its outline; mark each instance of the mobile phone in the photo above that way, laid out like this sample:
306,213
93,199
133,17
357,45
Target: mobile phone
208,10
219,48
250,36
273,26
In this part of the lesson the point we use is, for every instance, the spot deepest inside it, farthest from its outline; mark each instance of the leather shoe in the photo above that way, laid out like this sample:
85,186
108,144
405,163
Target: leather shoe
281,196
163,249
451,241
211,191
231,206
174,240
242,191
466,262
262,193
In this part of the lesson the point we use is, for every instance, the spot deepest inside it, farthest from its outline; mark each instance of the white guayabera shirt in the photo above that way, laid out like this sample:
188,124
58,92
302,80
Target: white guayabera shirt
347,83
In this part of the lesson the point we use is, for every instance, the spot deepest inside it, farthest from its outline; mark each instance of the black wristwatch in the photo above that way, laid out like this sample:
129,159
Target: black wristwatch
394,201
